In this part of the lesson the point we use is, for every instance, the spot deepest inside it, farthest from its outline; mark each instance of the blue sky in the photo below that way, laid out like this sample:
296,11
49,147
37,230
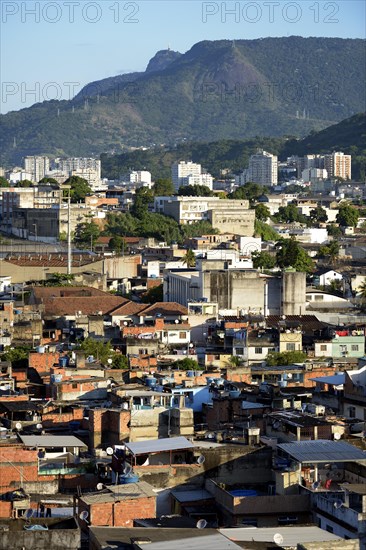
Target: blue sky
50,49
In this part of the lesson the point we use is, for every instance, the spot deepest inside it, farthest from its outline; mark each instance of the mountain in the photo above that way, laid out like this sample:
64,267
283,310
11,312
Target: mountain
216,90
348,136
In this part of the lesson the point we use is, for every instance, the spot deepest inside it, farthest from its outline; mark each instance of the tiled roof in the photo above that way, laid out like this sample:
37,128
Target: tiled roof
308,322
129,308
59,301
166,308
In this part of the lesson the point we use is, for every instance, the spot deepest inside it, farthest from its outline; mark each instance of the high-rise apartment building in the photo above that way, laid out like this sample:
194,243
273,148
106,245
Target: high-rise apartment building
37,166
189,173
338,165
263,169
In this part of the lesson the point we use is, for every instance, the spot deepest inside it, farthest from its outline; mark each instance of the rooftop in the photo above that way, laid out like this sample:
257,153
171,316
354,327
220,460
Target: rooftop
112,493
48,441
291,535
159,445
319,451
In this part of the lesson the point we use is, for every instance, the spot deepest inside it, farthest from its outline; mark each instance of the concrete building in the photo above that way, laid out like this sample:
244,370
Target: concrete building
189,173
141,178
338,165
37,166
231,216
263,169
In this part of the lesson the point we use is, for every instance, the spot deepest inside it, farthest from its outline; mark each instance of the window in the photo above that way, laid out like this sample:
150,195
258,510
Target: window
354,347
287,520
290,347
352,412
74,386
258,350
318,297
239,351
329,528
182,335
323,347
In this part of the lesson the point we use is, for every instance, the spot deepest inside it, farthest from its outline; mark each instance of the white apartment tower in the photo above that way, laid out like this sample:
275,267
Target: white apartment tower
189,173
338,165
263,169
37,166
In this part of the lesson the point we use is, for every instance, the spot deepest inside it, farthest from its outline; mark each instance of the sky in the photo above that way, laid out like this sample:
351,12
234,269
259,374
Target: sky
51,49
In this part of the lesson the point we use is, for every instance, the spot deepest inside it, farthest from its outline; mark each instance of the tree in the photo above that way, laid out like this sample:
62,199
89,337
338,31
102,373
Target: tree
153,295
59,279
163,187
87,233
347,216
291,254
49,180
189,258
331,250
318,215
102,351
334,230
120,224
362,289
250,191
4,182
186,364
263,260
80,188
119,361
18,356
262,212
283,358
25,183
143,197
195,191
265,231
117,244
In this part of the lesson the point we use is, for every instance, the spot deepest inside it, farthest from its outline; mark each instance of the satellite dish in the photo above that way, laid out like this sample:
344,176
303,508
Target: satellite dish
278,538
109,361
337,436
109,451
200,459
84,515
29,513
201,524
39,426
127,469
315,485
18,426
289,375
100,486
338,504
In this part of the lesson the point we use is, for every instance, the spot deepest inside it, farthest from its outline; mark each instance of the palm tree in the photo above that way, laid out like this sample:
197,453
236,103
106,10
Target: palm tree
362,289
189,258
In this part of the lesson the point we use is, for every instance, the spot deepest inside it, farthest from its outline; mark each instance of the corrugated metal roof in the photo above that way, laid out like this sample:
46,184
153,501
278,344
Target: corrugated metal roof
323,450
335,380
159,445
215,541
291,535
51,441
249,405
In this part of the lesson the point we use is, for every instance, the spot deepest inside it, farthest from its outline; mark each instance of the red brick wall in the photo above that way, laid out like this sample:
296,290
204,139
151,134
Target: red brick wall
54,418
123,513
42,362
5,509
16,465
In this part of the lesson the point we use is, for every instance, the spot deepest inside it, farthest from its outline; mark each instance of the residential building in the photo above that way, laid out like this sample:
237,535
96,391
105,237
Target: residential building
232,216
189,173
338,165
263,169
38,166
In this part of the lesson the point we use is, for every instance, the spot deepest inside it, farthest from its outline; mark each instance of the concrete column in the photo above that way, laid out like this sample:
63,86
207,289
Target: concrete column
315,432
298,433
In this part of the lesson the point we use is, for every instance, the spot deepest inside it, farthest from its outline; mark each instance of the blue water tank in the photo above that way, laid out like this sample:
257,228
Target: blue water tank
63,360
190,373
234,393
151,381
128,478
243,493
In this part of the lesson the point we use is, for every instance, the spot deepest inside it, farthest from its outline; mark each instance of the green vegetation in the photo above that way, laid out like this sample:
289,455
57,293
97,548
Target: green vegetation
263,260
189,258
347,216
265,231
80,188
291,254
153,295
185,364
290,214
86,234
283,358
103,351
262,212
4,182
163,187
17,356
195,191
141,109
318,215
250,191
330,251
48,180
117,243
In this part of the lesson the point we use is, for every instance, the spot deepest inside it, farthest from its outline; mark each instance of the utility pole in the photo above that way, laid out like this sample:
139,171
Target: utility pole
69,254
